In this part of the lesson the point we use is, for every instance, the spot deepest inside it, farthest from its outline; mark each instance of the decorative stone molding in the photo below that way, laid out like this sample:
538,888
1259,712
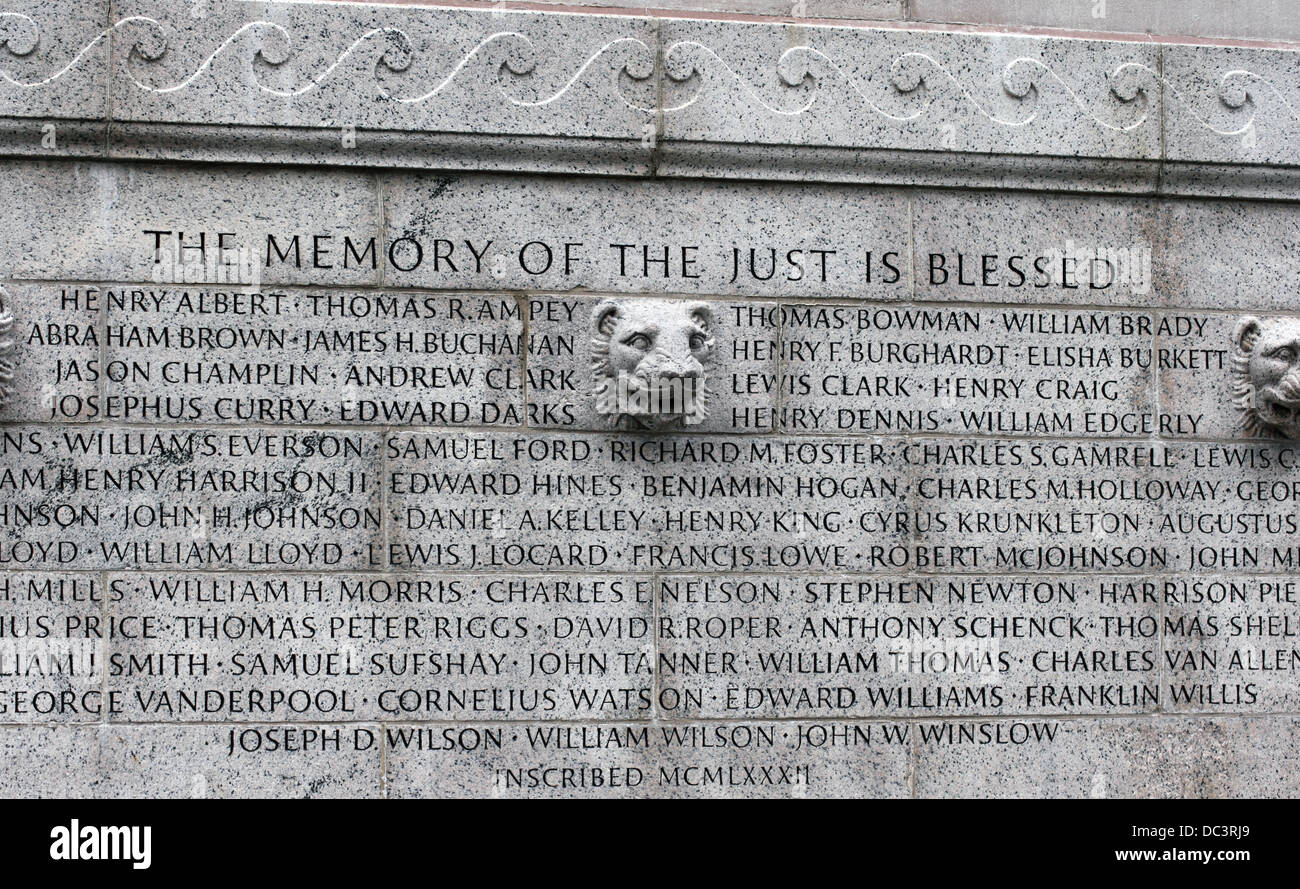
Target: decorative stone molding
351,84
1266,376
649,360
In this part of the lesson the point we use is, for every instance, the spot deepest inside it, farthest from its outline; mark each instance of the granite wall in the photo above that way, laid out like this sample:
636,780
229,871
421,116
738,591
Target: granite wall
1250,19
323,470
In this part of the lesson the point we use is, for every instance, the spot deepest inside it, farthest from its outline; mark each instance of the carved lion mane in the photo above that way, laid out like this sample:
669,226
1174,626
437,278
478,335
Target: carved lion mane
8,347
649,361
1266,376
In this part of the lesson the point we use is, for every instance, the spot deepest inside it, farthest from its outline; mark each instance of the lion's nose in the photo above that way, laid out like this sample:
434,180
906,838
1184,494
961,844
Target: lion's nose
680,370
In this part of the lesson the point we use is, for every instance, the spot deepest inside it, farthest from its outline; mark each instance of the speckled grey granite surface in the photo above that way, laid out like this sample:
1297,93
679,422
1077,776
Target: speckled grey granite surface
324,443
312,485
144,223
1162,758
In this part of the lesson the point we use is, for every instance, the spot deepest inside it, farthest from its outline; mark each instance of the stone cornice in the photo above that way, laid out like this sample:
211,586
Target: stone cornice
442,88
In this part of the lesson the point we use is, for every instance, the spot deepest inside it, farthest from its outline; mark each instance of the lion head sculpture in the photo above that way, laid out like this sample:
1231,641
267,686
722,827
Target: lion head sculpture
648,362
1266,376
8,346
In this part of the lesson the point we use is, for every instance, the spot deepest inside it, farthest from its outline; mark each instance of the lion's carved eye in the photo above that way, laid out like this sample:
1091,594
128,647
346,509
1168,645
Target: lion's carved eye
1284,353
697,341
638,341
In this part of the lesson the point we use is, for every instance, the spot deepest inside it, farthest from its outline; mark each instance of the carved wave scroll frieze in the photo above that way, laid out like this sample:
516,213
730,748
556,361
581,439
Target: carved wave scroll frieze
380,52
552,74
263,72
817,79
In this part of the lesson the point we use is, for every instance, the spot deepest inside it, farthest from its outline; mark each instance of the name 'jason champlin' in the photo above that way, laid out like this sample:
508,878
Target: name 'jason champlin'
91,843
